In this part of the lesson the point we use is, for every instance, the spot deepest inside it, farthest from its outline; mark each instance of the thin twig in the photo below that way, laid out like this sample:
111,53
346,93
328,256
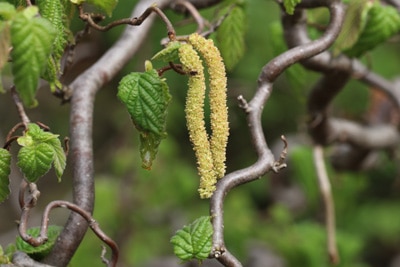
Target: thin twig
20,107
325,189
193,12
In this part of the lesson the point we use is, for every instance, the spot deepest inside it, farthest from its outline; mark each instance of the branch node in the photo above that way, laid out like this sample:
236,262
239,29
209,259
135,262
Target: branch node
280,163
243,103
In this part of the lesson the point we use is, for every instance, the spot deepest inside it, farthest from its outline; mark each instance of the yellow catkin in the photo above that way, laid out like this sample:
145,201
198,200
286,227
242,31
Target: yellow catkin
217,95
194,110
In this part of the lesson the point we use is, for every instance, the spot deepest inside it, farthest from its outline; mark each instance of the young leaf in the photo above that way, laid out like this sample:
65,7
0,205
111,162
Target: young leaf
4,259
230,36
193,241
7,11
106,5
40,149
32,38
35,160
383,22
5,161
170,53
146,96
290,5
38,253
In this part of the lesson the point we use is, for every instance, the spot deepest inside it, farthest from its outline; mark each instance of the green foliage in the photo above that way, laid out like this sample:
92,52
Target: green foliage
39,151
38,253
105,5
146,96
353,25
7,11
54,12
32,38
382,23
5,256
193,241
168,54
290,5
5,44
5,161
231,36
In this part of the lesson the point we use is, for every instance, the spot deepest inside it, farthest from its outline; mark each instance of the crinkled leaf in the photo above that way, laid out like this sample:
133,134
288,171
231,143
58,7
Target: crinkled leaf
193,241
55,13
146,96
32,38
39,150
353,25
382,23
38,253
106,5
290,5
169,53
230,36
5,161
35,161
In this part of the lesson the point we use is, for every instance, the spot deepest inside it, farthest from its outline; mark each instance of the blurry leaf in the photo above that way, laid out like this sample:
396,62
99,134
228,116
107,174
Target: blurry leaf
354,23
4,259
32,38
170,53
38,253
5,161
230,36
106,5
193,241
290,5
7,11
5,45
146,96
382,23
39,150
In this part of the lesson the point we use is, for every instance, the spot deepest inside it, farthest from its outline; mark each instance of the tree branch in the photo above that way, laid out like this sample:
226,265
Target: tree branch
83,89
254,109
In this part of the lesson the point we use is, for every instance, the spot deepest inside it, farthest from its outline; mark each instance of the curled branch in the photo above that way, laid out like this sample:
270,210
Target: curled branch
254,109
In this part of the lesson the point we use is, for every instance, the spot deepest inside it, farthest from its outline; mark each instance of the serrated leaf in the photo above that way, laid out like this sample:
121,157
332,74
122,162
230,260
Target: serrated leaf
38,253
5,170
146,96
290,5
194,241
32,140
382,23
32,38
230,36
106,5
353,25
55,13
169,53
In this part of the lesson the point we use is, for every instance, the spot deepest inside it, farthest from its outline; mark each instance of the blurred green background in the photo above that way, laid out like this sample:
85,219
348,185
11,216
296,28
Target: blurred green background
282,214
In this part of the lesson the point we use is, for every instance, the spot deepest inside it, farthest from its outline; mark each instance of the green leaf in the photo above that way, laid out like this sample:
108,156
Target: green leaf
354,23
290,5
32,38
194,241
54,11
169,53
5,161
231,36
146,96
40,149
382,23
38,253
106,5
4,259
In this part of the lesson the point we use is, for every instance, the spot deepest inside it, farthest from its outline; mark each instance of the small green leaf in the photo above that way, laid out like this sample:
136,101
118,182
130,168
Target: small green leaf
7,11
290,5
353,25
5,161
231,36
38,253
4,259
106,5
382,23
39,150
193,241
169,53
32,38
146,96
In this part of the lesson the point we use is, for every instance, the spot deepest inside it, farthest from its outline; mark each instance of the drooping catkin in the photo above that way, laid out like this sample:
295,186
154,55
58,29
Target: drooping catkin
194,110
217,96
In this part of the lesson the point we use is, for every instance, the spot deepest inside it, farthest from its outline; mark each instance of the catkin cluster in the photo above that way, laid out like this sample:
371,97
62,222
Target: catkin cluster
210,152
